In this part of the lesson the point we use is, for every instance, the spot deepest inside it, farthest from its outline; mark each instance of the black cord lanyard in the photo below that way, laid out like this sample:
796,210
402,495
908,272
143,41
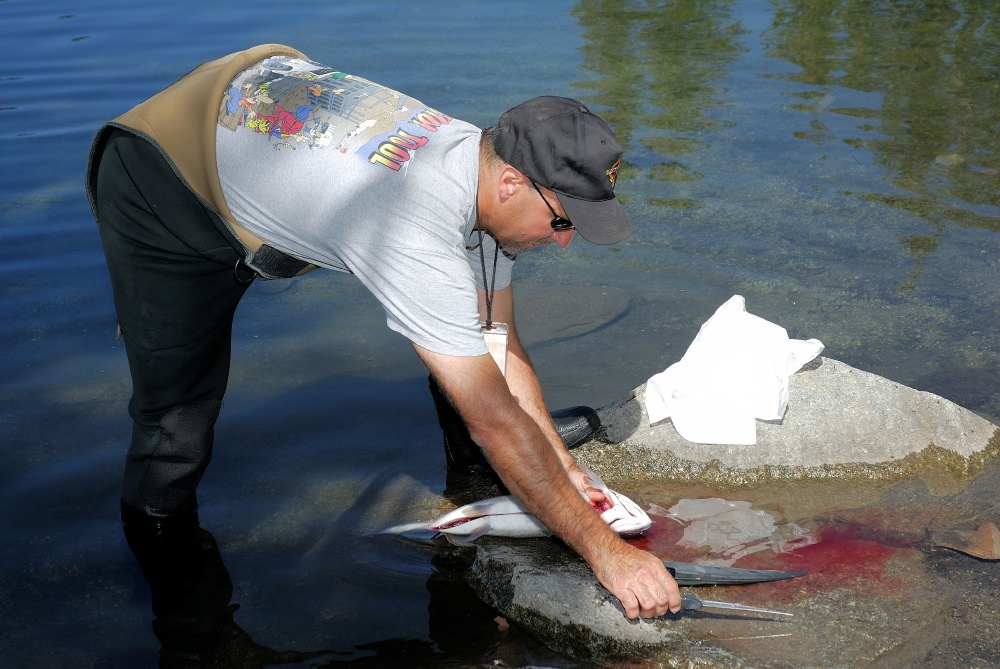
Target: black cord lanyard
493,281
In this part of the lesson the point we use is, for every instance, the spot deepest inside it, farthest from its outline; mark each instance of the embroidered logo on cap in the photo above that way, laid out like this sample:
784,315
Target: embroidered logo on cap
613,172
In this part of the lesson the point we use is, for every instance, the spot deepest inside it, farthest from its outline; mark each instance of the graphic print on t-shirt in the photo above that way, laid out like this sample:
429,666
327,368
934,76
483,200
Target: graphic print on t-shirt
295,103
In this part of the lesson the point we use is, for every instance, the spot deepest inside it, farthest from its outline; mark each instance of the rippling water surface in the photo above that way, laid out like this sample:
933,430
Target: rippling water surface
834,162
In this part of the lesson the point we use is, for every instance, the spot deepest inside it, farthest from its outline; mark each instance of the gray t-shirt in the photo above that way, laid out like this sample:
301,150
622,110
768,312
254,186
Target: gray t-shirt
352,176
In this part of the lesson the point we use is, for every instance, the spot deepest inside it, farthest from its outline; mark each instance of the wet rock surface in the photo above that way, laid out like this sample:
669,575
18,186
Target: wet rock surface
840,421
547,590
878,593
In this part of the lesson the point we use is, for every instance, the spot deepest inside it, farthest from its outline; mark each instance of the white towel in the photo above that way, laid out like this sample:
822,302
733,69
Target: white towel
735,371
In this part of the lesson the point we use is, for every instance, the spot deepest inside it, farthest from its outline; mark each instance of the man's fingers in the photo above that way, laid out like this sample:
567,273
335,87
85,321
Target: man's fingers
655,604
631,604
675,603
641,602
670,595
641,583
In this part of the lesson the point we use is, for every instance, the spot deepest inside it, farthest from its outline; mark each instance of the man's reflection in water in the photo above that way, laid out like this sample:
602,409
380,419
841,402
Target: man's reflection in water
191,591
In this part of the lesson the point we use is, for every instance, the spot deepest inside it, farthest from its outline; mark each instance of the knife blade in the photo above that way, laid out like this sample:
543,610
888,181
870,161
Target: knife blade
688,573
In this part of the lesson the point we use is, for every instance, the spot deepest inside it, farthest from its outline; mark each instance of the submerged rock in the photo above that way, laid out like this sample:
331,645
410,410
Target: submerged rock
982,542
547,590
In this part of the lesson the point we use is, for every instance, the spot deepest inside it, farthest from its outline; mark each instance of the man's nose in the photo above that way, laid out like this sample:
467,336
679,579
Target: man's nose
563,237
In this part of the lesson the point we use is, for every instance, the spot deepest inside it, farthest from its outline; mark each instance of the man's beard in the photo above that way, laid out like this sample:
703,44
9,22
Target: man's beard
513,249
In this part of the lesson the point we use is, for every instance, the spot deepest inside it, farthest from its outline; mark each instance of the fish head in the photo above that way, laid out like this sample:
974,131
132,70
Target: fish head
623,516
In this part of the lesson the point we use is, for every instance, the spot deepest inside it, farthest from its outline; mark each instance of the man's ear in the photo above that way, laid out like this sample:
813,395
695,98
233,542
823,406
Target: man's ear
509,180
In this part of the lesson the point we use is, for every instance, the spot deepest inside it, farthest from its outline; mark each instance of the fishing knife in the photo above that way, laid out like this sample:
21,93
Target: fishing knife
692,603
687,573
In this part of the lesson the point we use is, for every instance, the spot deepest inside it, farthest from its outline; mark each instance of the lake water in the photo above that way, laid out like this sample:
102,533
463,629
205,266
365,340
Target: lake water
836,163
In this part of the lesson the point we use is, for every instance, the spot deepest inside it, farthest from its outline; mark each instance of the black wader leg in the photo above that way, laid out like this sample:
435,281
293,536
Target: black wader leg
574,425
461,453
189,584
175,294
166,461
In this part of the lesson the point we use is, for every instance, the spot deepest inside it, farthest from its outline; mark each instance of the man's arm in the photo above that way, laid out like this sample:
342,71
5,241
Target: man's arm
522,381
524,458
524,385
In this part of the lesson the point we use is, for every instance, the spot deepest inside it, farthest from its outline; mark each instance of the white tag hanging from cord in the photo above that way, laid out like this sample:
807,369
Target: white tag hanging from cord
495,336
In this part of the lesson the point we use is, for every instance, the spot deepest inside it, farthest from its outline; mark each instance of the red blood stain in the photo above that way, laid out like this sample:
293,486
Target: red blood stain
601,506
847,555
844,557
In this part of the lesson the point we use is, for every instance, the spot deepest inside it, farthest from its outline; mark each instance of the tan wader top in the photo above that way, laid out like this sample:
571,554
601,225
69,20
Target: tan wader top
165,119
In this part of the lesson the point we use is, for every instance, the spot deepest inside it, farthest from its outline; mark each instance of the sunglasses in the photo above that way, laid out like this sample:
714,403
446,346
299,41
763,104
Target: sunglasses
558,222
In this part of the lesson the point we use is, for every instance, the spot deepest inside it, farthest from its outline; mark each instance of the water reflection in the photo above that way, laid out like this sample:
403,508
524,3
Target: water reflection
933,67
927,111
659,66
191,592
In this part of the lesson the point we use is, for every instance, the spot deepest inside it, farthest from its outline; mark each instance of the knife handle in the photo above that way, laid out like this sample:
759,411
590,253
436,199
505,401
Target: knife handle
691,603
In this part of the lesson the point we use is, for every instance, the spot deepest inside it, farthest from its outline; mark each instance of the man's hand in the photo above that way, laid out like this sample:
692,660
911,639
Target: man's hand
640,582
587,486
637,578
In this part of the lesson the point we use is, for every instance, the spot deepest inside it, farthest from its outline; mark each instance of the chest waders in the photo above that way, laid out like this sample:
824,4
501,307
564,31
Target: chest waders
179,265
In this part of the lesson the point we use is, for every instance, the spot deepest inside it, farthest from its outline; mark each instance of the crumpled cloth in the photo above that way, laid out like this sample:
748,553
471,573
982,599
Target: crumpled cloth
735,371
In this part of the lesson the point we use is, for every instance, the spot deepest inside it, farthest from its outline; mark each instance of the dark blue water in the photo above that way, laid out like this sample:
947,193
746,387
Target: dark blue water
837,165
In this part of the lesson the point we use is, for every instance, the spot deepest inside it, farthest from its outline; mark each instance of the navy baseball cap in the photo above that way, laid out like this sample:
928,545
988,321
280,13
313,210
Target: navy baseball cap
559,144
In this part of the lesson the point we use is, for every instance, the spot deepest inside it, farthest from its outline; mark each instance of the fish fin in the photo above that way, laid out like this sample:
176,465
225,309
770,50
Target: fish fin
414,531
471,531
479,528
594,478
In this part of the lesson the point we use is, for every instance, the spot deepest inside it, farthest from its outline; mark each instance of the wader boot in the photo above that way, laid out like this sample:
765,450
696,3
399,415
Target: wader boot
462,454
189,585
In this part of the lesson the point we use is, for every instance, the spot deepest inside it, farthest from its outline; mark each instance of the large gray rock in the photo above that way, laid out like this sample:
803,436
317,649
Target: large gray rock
841,424
550,592
840,421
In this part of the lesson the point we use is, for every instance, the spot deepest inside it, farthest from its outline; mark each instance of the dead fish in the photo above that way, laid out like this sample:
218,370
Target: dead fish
505,516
